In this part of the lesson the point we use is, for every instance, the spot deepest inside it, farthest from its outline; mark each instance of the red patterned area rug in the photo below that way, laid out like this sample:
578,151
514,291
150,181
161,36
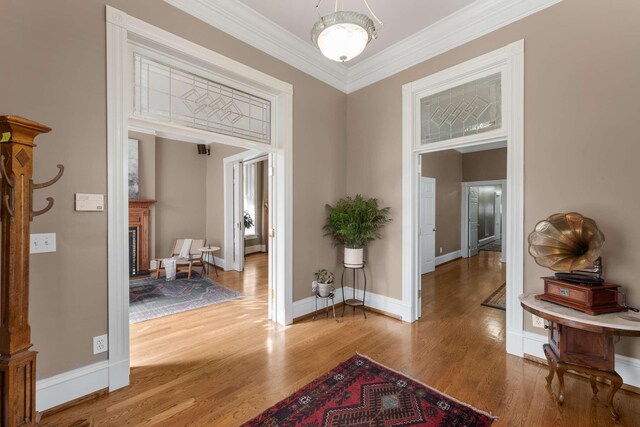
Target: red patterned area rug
361,392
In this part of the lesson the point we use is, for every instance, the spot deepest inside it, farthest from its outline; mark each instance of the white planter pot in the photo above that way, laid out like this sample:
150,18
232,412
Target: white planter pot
324,289
353,258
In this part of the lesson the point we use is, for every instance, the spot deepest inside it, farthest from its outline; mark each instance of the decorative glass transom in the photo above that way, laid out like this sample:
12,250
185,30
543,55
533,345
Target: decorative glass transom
468,109
165,93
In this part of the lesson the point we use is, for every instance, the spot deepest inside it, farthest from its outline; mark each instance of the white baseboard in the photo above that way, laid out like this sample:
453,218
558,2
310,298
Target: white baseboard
487,240
71,385
254,249
448,257
119,371
220,263
627,367
379,302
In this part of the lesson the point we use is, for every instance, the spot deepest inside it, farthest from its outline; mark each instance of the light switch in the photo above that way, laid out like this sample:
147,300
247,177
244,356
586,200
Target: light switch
89,202
43,242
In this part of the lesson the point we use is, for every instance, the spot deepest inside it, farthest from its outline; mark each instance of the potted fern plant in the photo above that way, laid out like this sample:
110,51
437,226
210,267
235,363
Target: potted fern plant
353,222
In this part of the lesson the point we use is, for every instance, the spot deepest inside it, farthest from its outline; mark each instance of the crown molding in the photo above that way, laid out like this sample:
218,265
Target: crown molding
251,27
247,25
475,20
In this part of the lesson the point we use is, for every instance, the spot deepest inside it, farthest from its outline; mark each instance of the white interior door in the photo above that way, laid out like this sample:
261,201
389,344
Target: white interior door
238,216
473,221
427,225
497,227
269,238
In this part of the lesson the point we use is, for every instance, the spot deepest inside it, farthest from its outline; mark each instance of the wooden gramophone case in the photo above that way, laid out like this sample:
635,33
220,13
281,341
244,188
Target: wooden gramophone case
594,300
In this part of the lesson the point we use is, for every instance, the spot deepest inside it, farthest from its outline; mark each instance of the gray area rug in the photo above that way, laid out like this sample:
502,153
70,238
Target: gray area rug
152,298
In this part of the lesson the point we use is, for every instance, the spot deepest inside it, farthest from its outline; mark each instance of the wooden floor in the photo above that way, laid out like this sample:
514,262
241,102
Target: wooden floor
224,364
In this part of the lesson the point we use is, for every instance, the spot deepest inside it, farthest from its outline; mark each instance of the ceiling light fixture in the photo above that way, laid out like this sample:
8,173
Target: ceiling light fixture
342,35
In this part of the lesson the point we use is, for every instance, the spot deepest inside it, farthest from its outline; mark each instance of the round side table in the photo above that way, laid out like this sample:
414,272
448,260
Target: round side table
210,250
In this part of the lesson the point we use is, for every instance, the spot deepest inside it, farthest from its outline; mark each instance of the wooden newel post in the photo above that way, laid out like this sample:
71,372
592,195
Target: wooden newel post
17,361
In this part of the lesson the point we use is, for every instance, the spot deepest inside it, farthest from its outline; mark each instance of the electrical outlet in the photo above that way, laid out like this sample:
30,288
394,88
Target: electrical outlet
100,344
440,250
538,322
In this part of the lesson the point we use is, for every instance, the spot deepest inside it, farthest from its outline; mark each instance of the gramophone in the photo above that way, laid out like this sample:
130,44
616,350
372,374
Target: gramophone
570,245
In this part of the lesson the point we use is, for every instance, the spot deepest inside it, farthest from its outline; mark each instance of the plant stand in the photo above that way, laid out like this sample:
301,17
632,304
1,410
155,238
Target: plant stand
354,302
326,299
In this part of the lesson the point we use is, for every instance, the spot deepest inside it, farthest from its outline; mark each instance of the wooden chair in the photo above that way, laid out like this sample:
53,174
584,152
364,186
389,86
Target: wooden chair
195,258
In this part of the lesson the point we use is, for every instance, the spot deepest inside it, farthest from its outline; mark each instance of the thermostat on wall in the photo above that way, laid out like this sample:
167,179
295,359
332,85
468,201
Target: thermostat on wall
89,202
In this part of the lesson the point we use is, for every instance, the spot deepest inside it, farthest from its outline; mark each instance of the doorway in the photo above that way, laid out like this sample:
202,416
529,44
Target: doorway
175,187
460,217
435,113
125,35
484,219
248,181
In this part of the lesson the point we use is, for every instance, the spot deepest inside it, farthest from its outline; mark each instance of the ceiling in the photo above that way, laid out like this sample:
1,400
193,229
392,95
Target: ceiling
400,18
413,31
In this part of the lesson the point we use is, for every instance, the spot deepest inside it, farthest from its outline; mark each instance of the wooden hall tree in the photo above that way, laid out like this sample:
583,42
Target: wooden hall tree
17,361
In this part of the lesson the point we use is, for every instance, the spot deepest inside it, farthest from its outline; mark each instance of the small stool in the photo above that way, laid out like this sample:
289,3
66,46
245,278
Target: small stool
326,299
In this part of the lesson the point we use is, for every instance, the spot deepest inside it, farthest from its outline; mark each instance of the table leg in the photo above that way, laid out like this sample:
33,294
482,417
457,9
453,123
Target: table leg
353,283
551,359
215,267
561,368
315,313
364,293
344,298
616,383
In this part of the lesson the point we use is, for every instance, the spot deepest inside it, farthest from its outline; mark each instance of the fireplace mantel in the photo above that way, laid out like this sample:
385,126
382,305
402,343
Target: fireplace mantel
139,218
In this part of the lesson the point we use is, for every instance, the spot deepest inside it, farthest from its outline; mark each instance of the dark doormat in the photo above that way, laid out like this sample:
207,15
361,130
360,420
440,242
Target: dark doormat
498,299
495,246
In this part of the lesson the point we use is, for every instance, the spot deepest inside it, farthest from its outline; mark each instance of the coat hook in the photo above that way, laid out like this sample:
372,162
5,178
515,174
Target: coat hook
51,182
50,200
8,207
3,171
43,211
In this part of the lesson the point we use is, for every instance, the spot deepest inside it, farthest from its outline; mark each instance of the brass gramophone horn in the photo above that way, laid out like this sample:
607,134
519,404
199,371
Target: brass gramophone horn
570,243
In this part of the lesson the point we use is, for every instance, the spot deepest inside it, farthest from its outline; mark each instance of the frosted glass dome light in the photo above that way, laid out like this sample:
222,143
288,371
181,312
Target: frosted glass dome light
343,35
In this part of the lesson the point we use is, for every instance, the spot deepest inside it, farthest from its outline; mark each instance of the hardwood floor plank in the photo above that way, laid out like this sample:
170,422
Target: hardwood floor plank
224,364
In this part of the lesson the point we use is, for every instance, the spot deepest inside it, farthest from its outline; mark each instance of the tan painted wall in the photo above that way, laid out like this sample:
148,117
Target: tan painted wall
484,165
215,194
446,168
581,145
449,168
57,75
181,193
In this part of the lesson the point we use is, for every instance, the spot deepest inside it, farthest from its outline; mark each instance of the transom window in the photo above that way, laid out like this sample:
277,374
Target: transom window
468,109
166,93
